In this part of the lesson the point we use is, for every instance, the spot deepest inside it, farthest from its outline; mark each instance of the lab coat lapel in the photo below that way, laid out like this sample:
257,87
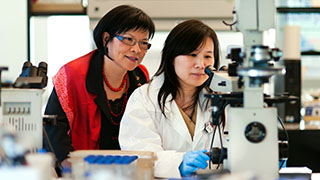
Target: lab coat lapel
174,117
178,123
203,116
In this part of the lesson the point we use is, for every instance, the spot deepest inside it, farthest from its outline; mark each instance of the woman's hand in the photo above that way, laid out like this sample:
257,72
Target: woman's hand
192,161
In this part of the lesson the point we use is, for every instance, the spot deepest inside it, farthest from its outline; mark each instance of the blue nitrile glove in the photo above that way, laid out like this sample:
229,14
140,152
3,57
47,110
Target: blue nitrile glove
192,161
282,164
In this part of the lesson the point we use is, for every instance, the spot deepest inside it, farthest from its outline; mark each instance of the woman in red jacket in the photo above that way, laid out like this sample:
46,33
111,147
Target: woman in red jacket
90,93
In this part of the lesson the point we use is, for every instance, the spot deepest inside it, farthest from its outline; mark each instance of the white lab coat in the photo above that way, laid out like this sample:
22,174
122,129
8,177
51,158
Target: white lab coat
144,127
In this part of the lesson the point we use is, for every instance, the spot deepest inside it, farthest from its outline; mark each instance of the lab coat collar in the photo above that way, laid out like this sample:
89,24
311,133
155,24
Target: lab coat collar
174,116
203,116
178,123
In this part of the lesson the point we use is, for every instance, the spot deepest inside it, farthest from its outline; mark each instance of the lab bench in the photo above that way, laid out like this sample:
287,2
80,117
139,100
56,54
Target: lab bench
304,145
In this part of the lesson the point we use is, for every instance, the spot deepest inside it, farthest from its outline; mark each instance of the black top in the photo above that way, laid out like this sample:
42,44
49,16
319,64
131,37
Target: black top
58,134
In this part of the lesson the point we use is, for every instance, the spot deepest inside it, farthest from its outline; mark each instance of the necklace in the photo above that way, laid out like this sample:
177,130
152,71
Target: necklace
124,103
112,88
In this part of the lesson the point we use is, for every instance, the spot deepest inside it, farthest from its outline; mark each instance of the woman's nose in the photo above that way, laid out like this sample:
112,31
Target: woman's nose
200,63
136,48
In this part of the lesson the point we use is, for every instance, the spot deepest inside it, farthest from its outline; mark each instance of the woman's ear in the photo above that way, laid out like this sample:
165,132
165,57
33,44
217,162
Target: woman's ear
105,37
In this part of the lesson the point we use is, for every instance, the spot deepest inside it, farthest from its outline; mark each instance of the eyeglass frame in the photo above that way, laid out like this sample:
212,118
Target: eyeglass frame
121,38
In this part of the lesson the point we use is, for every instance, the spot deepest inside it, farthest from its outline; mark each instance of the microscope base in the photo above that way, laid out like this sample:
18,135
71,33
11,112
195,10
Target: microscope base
253,145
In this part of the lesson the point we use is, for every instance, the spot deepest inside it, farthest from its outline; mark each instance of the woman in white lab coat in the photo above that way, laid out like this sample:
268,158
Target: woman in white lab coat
170,115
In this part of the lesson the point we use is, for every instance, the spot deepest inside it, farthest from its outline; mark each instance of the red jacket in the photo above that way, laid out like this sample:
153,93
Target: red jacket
82,112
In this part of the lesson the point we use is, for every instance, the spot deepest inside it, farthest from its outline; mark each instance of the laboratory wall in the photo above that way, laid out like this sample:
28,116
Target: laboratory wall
13,37
56,41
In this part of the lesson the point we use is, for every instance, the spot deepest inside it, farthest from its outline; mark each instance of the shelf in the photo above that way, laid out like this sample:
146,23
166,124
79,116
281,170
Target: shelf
38,9
298,126
298,10
311,53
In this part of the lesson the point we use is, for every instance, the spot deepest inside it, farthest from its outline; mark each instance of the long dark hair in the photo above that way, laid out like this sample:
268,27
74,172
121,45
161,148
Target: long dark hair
182,40
122,19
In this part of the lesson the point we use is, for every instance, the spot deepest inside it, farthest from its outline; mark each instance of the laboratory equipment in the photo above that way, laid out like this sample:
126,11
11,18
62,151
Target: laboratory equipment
252,128
21,105
22,112
21,128
32,76
118,167
222,81
1,69
20,108
143,166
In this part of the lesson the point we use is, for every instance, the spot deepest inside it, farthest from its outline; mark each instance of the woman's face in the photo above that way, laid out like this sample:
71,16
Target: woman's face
190,68
124,53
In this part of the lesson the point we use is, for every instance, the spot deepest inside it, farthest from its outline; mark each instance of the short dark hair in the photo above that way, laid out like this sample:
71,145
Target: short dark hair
122,19
182,40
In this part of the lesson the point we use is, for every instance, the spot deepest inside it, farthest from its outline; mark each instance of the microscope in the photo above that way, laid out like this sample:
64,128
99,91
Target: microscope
2,68
252,127
21,104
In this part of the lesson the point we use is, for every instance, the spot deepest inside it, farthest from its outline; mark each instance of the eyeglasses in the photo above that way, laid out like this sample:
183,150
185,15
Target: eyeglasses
131,42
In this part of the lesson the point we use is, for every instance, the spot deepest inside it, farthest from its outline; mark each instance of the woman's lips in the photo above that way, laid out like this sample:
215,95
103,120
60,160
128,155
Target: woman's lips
132,58
198,74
